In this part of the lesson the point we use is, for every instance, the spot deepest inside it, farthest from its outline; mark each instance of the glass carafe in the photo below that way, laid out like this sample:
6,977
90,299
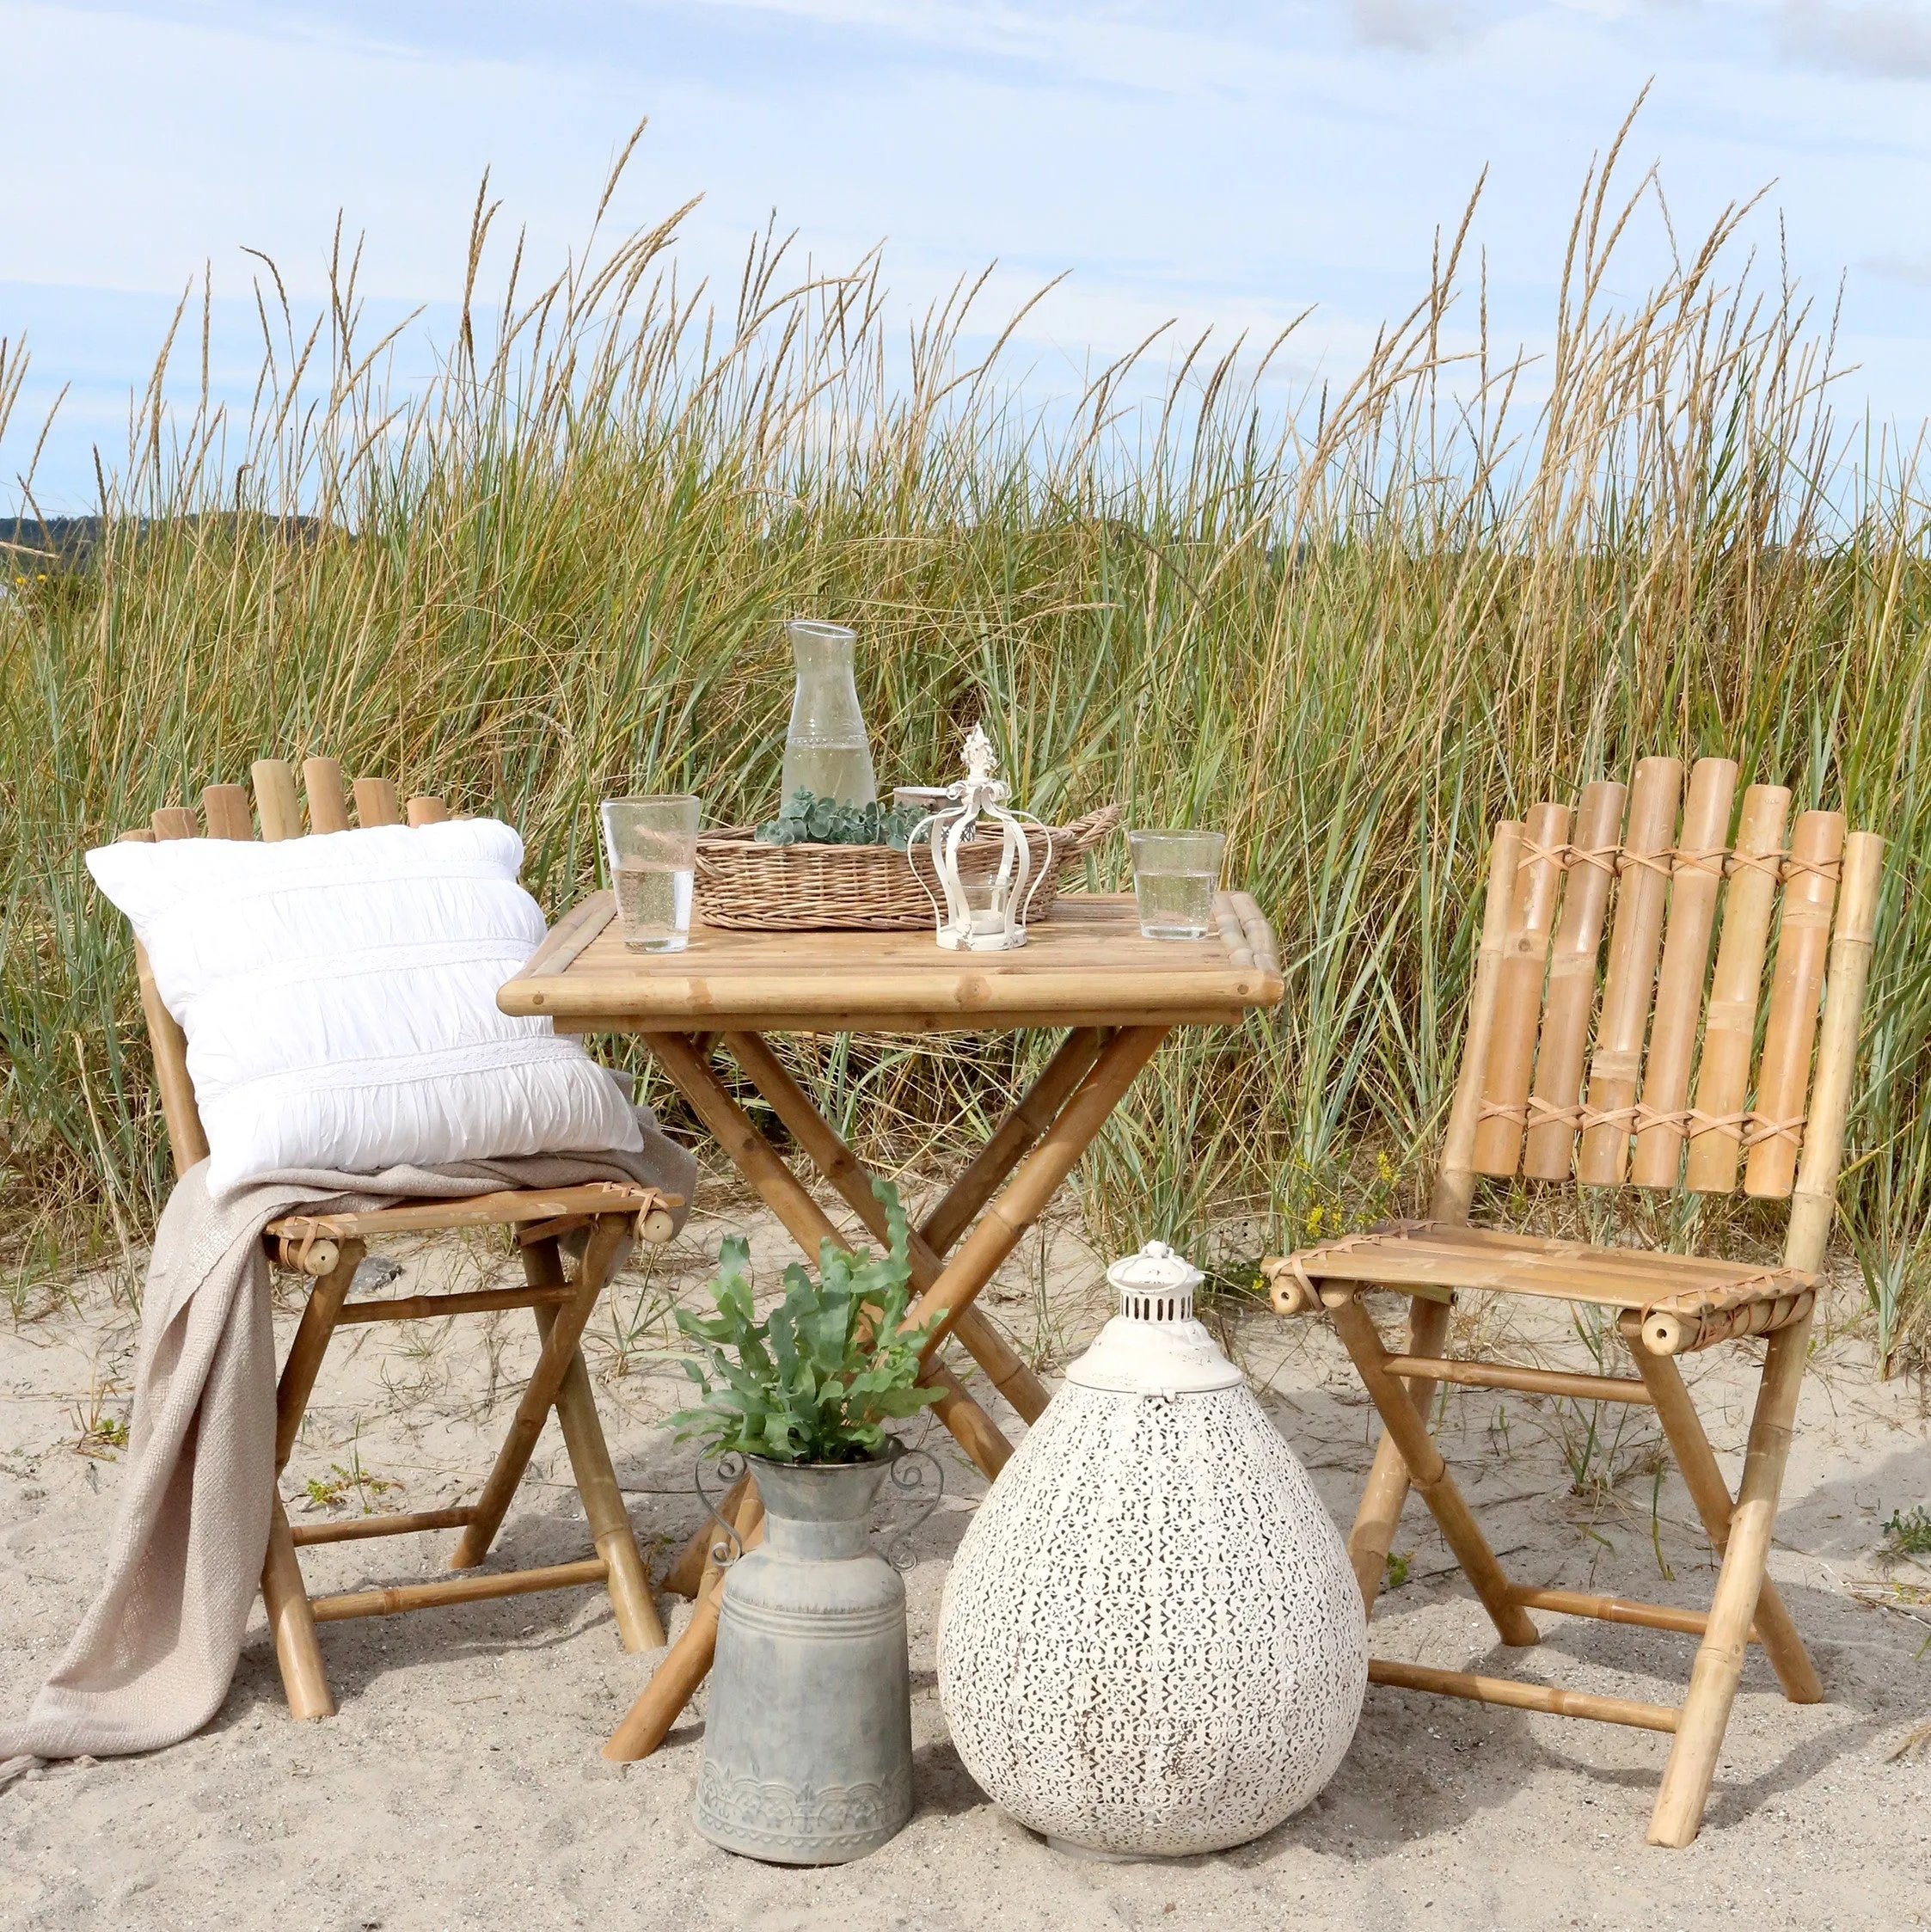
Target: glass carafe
825,749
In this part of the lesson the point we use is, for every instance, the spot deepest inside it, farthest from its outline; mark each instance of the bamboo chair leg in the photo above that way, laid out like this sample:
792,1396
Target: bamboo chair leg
319,1316
1429,1473
610,1242
1776,1629
1719,1658
626,1579
1380,1514
291,1622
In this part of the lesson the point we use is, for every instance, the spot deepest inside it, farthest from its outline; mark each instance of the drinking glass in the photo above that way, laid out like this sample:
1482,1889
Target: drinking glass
1175,875
651,846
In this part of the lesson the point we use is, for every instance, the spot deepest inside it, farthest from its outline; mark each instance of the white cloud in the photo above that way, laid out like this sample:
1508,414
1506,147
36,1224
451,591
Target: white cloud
1878,39
1413,26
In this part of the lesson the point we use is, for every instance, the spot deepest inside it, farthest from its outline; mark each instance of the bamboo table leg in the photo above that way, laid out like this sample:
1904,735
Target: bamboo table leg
1096,1091
1039,1176
786,1195
1014,1138
1003,1366
675,1681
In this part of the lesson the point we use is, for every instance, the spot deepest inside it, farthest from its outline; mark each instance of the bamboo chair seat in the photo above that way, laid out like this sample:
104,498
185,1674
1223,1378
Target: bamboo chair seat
1603,1047
1709,1300
601,1218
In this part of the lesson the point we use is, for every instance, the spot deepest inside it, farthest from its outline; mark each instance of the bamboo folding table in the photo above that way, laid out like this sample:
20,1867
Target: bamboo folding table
1088,969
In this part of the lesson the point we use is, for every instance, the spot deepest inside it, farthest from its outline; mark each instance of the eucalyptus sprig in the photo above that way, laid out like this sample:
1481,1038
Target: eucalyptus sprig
806,819
817,1378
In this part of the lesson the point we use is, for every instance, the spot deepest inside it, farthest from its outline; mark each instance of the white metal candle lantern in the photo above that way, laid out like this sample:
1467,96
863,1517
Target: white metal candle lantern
1151,1643
985,905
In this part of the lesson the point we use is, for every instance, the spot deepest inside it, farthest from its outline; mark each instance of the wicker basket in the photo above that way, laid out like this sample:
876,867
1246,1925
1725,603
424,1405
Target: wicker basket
795,888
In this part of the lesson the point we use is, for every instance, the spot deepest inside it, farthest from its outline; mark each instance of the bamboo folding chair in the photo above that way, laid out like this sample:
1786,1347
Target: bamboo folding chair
328,1247
1532,1097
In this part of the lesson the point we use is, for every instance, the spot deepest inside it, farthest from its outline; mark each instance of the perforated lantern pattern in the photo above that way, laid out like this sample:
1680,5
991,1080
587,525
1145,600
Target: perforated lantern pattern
1151,1641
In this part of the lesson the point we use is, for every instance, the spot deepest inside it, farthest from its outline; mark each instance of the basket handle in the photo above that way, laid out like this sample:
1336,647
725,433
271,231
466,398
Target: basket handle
1083,834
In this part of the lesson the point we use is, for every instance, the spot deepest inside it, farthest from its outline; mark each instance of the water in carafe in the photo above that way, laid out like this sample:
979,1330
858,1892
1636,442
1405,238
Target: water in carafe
825,749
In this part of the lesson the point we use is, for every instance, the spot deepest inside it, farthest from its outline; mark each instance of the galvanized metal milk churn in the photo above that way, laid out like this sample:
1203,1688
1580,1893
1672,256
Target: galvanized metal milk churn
808,1739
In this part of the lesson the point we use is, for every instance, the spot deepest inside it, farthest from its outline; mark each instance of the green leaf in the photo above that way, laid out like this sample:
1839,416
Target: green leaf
816,1379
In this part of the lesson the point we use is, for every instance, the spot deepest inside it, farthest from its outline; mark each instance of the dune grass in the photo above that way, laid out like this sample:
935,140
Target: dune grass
1353,632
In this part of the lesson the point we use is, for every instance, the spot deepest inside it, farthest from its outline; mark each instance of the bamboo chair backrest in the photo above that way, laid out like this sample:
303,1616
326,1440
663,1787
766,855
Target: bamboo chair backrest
1663,1077
226,809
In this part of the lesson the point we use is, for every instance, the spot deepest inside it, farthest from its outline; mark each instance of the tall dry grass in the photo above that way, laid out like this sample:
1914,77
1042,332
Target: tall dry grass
1353,631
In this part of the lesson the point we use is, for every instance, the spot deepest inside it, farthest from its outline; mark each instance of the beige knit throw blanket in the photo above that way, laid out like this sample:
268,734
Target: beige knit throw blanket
153,1657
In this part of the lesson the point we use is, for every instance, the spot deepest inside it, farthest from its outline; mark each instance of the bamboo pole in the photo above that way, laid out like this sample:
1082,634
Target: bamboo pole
1814,1202
1521,1696
1617,1610
1796,981
1718,1667
1518,998
674,1682
1710,1495
322,778
1012,1138
1429,1473
292,1623
1379,1515
1550,1151
1039,1176
1529,1381
376,802
1629,981
275,800
1004,1367
320,1314
425,1308
1455,1179
609,1243
358,1529
398,1599
1736,987
187,1140
1694,883
639,1627
225,808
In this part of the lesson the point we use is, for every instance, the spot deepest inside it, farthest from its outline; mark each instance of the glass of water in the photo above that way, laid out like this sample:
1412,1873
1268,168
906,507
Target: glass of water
1175,877
651,846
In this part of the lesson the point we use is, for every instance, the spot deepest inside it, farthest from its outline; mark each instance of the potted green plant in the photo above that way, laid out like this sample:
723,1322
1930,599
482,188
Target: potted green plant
807,1736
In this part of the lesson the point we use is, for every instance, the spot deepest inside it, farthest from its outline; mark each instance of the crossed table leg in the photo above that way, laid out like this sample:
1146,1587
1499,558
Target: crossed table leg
1038,1145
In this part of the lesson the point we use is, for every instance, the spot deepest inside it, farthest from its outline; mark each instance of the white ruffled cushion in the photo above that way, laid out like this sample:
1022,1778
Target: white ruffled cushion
339,997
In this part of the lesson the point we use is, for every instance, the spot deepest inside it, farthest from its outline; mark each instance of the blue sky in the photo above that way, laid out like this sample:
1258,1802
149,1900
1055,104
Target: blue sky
1221,165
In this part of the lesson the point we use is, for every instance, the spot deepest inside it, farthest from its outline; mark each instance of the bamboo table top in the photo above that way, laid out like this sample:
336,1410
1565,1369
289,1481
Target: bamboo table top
1087,965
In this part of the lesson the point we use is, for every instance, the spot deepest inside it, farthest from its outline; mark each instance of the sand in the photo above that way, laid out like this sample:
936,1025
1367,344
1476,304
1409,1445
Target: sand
461,1783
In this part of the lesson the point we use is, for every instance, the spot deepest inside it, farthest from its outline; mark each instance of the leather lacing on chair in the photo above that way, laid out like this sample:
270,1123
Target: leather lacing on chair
1782,865
1748,1127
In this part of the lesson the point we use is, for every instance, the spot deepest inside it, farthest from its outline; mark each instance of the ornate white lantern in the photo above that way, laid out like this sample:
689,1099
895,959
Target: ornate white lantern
985,903
1151,1643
